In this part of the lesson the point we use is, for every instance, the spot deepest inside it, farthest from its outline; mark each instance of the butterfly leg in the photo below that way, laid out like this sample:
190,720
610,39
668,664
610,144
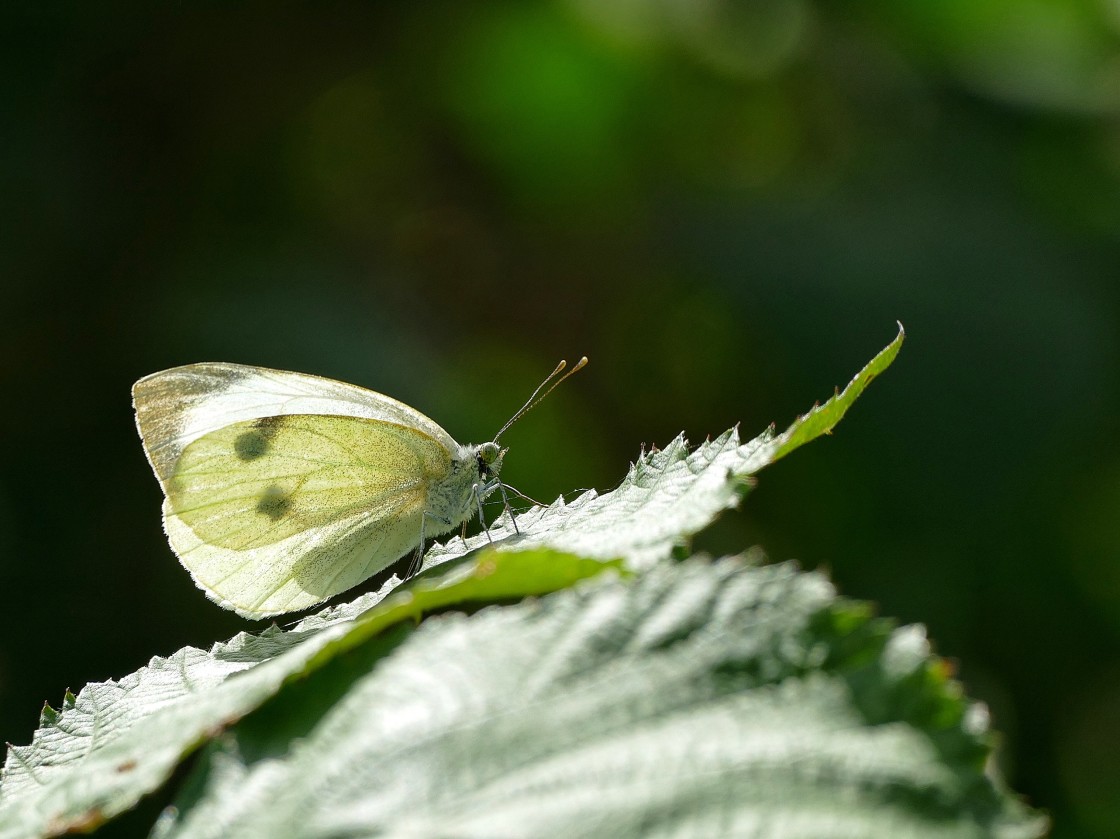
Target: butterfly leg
509,509
418,556
478,496
480,492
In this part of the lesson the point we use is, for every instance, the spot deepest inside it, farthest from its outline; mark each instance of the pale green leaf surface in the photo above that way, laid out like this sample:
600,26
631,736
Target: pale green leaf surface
121,739
696,700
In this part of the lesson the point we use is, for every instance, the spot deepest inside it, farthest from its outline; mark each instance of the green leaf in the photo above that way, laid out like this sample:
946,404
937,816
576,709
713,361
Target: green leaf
697,700
823,418
119,740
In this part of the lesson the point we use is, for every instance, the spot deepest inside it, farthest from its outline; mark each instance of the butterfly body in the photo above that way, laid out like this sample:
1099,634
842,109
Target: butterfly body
283,489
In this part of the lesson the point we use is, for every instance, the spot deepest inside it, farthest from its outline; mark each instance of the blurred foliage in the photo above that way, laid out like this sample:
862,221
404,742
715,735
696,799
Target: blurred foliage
706,197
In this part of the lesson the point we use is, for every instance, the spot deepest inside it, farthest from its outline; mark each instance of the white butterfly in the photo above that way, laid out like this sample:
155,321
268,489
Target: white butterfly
284,489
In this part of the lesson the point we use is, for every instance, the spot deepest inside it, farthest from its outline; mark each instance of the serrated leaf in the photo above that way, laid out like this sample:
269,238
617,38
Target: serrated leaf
697,700
668,496
118,740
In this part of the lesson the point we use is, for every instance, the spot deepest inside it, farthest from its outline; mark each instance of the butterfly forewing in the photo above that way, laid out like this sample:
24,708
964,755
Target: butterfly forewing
177,406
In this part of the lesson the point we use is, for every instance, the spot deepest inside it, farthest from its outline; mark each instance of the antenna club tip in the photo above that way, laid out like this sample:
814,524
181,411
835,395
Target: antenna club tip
538,396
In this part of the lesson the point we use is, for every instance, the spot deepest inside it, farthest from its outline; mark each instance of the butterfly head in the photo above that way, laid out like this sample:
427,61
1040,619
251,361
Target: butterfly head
489,456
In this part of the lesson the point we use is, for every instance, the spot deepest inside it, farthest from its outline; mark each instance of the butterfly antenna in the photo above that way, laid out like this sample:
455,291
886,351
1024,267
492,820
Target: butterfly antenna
534,400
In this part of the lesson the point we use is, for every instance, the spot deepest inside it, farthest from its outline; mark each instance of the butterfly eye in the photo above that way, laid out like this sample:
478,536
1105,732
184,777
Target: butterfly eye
488,453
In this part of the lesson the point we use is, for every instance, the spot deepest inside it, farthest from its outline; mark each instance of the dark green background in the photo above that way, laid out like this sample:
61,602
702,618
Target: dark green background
725,205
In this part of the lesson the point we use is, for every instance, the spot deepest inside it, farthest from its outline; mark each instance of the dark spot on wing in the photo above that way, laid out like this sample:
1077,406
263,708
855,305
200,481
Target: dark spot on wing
268,426
250,445
253,444
274,503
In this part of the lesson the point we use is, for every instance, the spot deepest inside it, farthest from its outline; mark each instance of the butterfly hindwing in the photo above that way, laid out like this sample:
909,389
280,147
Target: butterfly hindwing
297,572
257,482
278,513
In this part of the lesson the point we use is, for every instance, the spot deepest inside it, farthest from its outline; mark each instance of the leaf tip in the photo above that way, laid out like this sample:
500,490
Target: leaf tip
48,716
